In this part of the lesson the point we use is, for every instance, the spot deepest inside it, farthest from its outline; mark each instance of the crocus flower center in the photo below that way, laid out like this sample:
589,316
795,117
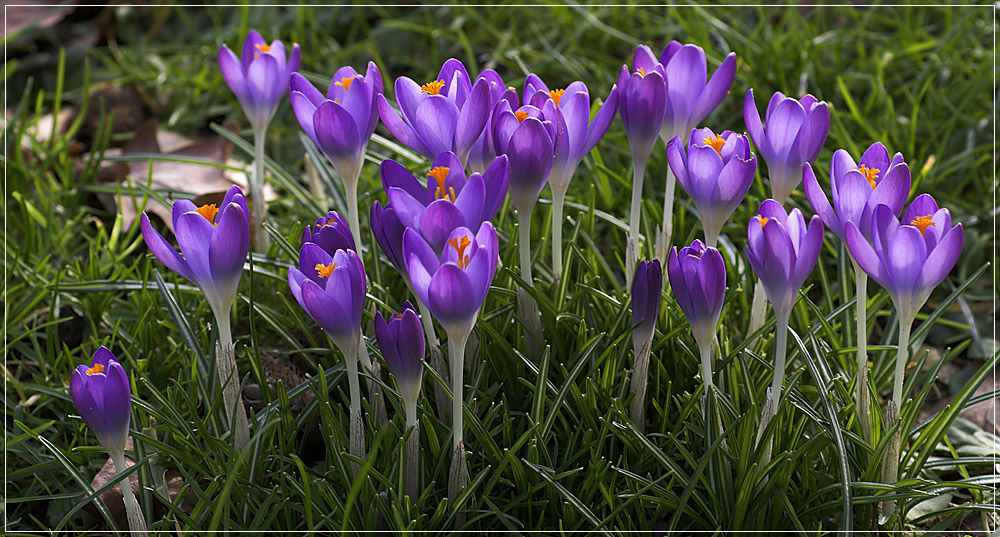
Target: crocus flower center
922,223
324,271
95,369
397,316
345,82
208,211
324,224
261,47
556,94
460,244
641,72
763,220
521,115
871,174
439,174
715,143
433,87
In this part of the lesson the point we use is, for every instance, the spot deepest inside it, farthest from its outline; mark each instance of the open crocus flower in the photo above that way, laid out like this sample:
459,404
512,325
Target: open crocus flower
331,233
331,288
793,134
102,395
342,122
856,189
782,250
449,200
214,243
401,341
908,257
689,98
445,114
716,172
698,279
259,77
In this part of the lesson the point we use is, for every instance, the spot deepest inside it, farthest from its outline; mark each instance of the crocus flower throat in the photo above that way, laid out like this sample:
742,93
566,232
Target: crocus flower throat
715,143
95,369
460,244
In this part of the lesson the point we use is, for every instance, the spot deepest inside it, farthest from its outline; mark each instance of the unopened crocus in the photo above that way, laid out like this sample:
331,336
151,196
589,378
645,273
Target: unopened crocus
529,137
856,189
401,341
581,134
690,99
103,398
716,171
646,288
483,150
331,233
341,123
214,242
331,288
792,134
454,286
782,251
698,280
259,78
445,114
642,104
448,200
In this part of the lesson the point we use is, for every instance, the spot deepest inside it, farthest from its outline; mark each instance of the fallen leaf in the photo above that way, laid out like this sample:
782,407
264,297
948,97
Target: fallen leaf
33,13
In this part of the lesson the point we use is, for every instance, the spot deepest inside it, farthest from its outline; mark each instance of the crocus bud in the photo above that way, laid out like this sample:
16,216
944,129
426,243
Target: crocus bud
646,288
331,233
698,280
332,291
782,252
388,231
401,341
528,136
214,243
908,258
102,396
792,135
259,77
716,172
642,103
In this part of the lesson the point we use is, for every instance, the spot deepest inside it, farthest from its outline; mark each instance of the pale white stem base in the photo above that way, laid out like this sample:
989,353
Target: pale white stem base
527,310
357,429
667,227
637,409
261,238
229,379
862,399
136,522
758,309
890,463
412,462
459,475
558,200
638,174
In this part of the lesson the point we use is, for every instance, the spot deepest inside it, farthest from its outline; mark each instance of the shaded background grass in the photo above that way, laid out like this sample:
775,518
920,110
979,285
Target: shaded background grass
551,447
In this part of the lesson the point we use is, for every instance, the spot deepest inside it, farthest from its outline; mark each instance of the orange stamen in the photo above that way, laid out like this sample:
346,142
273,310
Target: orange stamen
433,87
763,220
922,223
716,143
324,271
95,369
208,211
345,82
261,47
460,244
521,115
870,174
557,94
439,174
642,72
397,316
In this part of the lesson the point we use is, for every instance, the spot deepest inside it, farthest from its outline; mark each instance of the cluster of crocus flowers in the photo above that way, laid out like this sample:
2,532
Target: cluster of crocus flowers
698,280
646,288
401,340
689,100
454,285
782,250
341,123
214,242
259,78
716,172
857,189
103,397
580,135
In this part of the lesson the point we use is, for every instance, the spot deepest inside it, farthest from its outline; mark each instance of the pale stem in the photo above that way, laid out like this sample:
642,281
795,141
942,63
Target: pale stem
758,308
706,365
637,409
711,238
357,433
524,244
558,199
668,207
261,239
351,190
136,522
412,451
862,399
902,355
459,474
780,351
229,379
638,172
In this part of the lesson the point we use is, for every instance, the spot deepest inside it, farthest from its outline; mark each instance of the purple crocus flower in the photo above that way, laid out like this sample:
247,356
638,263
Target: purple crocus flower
908,257
857,189
483,150
449,200
445,114
698,279
782,251
331,233
716,172
689,99
214,243
259,78
332,291
454,284
529,136
342,122
388,231
795,133
642,104
102,396
401,340
646,288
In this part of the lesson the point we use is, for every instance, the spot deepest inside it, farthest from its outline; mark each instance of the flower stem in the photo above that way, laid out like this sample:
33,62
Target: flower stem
758,309
357,432
459,472
706,364
136,522
229,379
637,409
861,397
890,464
524,244
668,209
780,351
351,189
902,355
261,239
638,173
558,199
412,451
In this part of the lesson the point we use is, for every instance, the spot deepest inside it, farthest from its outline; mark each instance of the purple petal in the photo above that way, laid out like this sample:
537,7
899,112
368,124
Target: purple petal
942,259
438,221
232,73
905,258
420,261
398,127
923,205
472,118
408,209
163,250
194,235
394,175
716,89
451,296
677,161
813,133
754,128
435,123
230,244
336,132
601,121
686,74
820,204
